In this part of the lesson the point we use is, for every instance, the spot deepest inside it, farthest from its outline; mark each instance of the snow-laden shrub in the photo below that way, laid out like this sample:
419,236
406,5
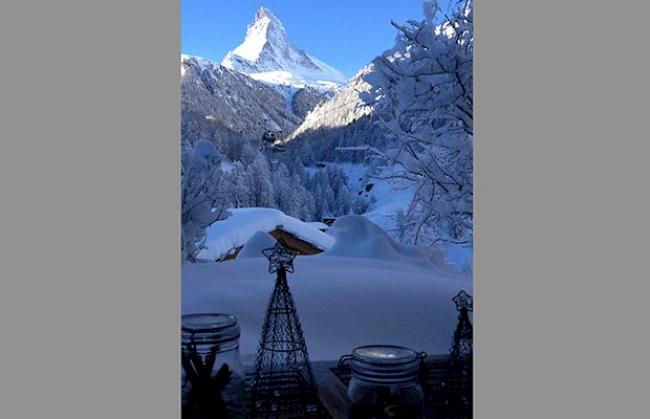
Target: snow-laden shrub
202,200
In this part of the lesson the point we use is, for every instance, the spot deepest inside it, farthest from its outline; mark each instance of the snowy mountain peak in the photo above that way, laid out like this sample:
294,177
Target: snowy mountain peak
267,55
265,31
264,13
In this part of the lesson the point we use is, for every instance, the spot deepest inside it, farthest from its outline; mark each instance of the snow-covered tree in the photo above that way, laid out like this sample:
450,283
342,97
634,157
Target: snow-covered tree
285,195
259,184
235,188
202,200
330,192
342,201
429,79
305,205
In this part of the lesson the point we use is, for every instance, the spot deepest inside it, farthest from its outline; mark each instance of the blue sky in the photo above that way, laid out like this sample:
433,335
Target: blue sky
346,34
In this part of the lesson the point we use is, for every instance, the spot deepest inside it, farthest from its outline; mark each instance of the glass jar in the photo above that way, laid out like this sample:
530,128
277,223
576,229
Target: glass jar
385,383
212,378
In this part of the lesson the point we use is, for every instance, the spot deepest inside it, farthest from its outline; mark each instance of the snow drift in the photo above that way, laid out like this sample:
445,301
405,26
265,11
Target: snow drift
256,244
356,236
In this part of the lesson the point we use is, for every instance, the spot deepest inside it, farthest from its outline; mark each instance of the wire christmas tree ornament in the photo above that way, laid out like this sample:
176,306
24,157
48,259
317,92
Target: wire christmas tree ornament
284,384
461,350
279,257
459,371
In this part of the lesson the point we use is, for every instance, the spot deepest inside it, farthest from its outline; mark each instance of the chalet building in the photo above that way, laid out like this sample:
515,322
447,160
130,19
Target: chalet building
294,244
226,238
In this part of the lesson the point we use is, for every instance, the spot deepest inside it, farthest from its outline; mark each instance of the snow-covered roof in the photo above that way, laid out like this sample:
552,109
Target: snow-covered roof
243,223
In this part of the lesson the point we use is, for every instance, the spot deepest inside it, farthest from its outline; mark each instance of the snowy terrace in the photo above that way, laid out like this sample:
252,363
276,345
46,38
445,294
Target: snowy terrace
365,288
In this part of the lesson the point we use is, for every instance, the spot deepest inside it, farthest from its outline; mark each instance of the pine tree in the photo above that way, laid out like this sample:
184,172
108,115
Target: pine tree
259,183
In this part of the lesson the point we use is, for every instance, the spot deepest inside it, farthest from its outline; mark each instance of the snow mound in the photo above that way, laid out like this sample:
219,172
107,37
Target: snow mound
242,224
356,236
256,244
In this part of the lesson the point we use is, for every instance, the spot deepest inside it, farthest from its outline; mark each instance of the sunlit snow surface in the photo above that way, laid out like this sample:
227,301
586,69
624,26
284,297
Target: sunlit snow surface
383,294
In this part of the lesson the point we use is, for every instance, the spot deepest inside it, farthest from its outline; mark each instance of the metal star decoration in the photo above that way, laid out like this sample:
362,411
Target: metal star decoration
279,257
464,301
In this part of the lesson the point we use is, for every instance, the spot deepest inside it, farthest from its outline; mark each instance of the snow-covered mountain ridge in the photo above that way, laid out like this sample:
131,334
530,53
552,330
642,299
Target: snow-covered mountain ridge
346,107
267,55
217,102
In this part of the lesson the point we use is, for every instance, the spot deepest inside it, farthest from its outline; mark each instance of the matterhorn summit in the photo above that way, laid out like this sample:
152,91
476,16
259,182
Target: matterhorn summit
267,55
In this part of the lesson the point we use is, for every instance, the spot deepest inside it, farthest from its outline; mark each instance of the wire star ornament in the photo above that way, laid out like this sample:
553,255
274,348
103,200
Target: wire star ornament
279,257
464,301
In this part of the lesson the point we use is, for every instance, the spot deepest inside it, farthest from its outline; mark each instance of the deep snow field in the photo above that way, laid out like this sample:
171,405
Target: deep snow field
366,289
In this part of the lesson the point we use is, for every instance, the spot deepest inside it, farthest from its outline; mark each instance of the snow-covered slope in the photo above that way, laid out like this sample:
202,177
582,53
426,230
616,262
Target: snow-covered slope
267,55
355,116
345,108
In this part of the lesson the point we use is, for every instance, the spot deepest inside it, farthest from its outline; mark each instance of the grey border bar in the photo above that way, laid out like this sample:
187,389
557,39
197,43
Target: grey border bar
561,209
90,208
89,221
